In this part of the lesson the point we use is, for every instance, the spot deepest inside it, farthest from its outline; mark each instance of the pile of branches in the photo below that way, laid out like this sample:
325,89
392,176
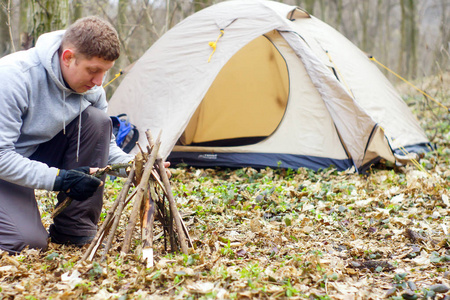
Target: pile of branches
152,199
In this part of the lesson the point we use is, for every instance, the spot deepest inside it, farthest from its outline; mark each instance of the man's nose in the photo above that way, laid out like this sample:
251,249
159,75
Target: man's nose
98,79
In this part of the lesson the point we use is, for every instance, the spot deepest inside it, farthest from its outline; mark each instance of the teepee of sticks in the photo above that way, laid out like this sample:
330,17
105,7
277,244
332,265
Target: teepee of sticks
152,200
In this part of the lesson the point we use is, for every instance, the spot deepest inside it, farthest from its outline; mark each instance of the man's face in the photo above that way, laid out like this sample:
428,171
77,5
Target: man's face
82,74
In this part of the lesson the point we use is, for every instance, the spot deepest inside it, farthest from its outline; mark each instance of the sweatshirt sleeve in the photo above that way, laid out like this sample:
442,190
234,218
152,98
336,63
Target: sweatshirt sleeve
14,167
116,154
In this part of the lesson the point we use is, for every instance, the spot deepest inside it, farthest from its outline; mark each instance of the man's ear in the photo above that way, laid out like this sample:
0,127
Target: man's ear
67,56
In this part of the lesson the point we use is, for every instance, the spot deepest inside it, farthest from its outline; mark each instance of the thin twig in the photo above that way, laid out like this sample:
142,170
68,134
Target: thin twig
117,215
173,207
157,179
147,231
141,190
110,215
173,212
58,209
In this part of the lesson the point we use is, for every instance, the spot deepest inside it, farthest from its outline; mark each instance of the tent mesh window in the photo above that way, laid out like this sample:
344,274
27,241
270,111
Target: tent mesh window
246,102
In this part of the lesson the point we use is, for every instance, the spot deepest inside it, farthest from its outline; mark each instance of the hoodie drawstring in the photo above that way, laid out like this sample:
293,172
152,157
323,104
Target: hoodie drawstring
64,111
79,121
79,128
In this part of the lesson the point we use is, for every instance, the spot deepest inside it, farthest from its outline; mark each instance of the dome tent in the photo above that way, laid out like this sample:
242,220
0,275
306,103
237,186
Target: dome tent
260,83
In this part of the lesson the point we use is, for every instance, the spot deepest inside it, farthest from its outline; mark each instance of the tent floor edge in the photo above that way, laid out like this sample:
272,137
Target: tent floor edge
257,160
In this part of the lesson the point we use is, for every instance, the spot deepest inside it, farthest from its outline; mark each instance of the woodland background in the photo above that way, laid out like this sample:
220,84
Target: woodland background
412,37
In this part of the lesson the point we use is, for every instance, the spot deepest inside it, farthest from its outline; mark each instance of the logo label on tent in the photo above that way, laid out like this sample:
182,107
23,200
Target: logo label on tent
207,156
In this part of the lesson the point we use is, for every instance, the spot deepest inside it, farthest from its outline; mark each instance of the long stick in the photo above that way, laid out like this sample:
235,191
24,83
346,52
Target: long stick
186,232
141,190
181,230
166,223
169,220
147,230
173,207
111,211
117,215
90,256
66,202
145,207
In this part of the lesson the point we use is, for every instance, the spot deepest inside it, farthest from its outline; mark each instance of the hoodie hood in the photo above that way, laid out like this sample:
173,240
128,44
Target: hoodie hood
47,47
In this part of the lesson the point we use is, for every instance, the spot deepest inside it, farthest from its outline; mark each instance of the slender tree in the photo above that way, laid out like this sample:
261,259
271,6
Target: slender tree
442,49
377,27
408,40
48,15
308,5
323,9
339,8
122,21
387,32
364,16
76,11
26,40
201,4
5,39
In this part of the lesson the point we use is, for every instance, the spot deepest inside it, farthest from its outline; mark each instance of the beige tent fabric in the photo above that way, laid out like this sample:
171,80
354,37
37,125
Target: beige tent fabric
324,115
371,89
247,99
353,124
306,128
170,80
378,147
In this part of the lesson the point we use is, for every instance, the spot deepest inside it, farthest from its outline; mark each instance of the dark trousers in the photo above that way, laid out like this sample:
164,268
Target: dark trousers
20,220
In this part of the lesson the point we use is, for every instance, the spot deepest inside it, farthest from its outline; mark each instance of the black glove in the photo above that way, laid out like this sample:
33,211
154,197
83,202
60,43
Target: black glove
76,183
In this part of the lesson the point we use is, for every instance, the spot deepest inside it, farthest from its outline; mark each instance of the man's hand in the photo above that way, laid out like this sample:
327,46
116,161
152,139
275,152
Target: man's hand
77,183
167,165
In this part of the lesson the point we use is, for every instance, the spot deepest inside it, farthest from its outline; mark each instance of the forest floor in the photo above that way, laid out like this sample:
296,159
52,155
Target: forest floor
274,234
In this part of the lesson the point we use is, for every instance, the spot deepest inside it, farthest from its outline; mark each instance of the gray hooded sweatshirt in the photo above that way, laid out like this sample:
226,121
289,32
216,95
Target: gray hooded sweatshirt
35,105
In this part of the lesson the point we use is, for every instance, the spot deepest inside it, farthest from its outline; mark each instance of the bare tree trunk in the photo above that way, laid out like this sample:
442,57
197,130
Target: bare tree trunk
122,17
377,27
387,33
308,5
364,18
122,30
339,8
408,45
5,44
355,32
442,50
151,25
372,14
48,16
6,19
26,40
77,10
201,4
323,10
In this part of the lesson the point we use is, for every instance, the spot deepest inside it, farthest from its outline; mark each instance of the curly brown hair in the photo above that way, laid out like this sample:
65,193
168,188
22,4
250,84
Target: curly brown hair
92,37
